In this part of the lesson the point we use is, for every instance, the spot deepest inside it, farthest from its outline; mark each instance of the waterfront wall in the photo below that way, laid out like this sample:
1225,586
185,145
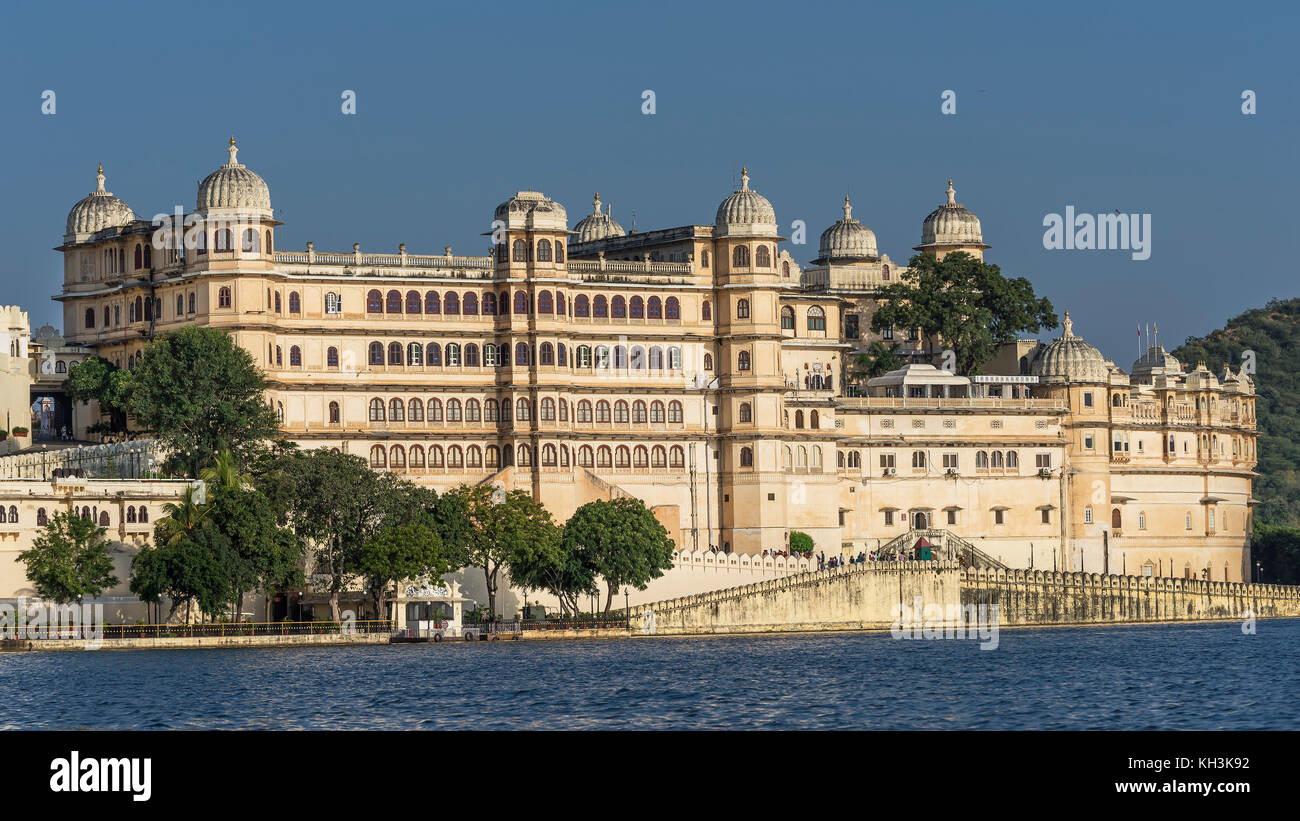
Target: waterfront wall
861,597
866,597
1026,597
202,642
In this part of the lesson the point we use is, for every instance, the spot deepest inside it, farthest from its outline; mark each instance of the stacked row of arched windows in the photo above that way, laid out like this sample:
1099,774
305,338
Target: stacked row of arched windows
814,317
492,457
134,515
223,239
454,354
470,303
521,251
549,409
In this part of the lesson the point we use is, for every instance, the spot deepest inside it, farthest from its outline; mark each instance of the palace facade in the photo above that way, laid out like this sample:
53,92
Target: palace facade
699,368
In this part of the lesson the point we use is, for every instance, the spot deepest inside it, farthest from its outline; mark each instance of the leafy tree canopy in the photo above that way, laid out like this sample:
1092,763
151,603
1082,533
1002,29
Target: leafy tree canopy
627,544
69,559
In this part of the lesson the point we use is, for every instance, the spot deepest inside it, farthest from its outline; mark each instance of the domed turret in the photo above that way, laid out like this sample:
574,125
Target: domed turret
532,210
1069,359
233,187
597,225
951,227
746,213
97,211
847,241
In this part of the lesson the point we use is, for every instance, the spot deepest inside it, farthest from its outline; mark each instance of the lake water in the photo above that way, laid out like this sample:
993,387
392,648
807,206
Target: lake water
1194,676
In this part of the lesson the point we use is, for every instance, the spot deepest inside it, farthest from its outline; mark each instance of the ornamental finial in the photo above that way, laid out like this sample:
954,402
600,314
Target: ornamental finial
99,180
233,151
952,195
848,209
596,204
744,178
1068,325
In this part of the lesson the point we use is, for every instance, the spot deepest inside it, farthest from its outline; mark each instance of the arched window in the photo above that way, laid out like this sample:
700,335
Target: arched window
475,459
602,412
816,319
561,309
622,457
581,305
559,251
675,412
453,410
452,355
1116,520
747,454
675,358
473,411
415,410
543,250
374,302
378,457
435,410
548,456
618,308
90,317
130,514
520,251
798,419
413,302
376,353
742,361
762,257
621,412
746,412
706,310
433,355
657,412
742,309
584,411
469,304
981,460
636,308
416,457
785,269
1013,460
521,303
250,240
139,256
620,357
295,356
270,245
42,519
814,420
525,456
435,456
918,459
103,516
547,354
677,457
548,409
333,303
414,353
998,461
394,353
225,240
471,355
396,410
489,303
394,302
740,257
334,413
544,304
521,353
654,308
376,410
432,302
787,318
451,303
672,308
600,307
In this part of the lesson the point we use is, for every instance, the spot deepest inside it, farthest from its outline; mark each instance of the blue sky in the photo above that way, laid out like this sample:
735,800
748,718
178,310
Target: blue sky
1102,106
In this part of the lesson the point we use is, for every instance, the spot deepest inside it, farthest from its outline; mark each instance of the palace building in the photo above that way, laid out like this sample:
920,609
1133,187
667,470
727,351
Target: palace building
699,368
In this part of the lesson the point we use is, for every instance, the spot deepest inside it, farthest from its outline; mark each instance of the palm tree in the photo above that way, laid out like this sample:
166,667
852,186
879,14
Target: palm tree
181,517
224,472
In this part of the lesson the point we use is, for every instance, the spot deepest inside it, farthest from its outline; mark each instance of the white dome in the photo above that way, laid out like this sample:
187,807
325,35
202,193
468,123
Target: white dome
847,240
746,213
597,225
1069,359
233,186
98,211
951,224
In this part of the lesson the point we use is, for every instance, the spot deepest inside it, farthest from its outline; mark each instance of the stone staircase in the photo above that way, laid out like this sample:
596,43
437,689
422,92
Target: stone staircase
945,545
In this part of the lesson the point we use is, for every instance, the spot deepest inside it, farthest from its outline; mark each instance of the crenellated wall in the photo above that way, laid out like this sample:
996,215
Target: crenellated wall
1038,597
867,597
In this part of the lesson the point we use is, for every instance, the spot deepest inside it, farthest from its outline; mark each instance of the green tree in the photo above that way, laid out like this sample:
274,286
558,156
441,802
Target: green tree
965,302
801,542
501,526
410,550
69,559
564,569
1277,549
199,393
95,378
627,543
149,578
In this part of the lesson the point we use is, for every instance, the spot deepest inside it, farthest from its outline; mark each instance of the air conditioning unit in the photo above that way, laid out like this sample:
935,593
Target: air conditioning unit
1046,473
890,471
951,471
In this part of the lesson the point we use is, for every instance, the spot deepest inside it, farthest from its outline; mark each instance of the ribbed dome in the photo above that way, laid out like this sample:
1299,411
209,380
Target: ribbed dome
233,186
1156,359
951,224
847,240
597,225
532,209
1069,359
746,213
98,211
